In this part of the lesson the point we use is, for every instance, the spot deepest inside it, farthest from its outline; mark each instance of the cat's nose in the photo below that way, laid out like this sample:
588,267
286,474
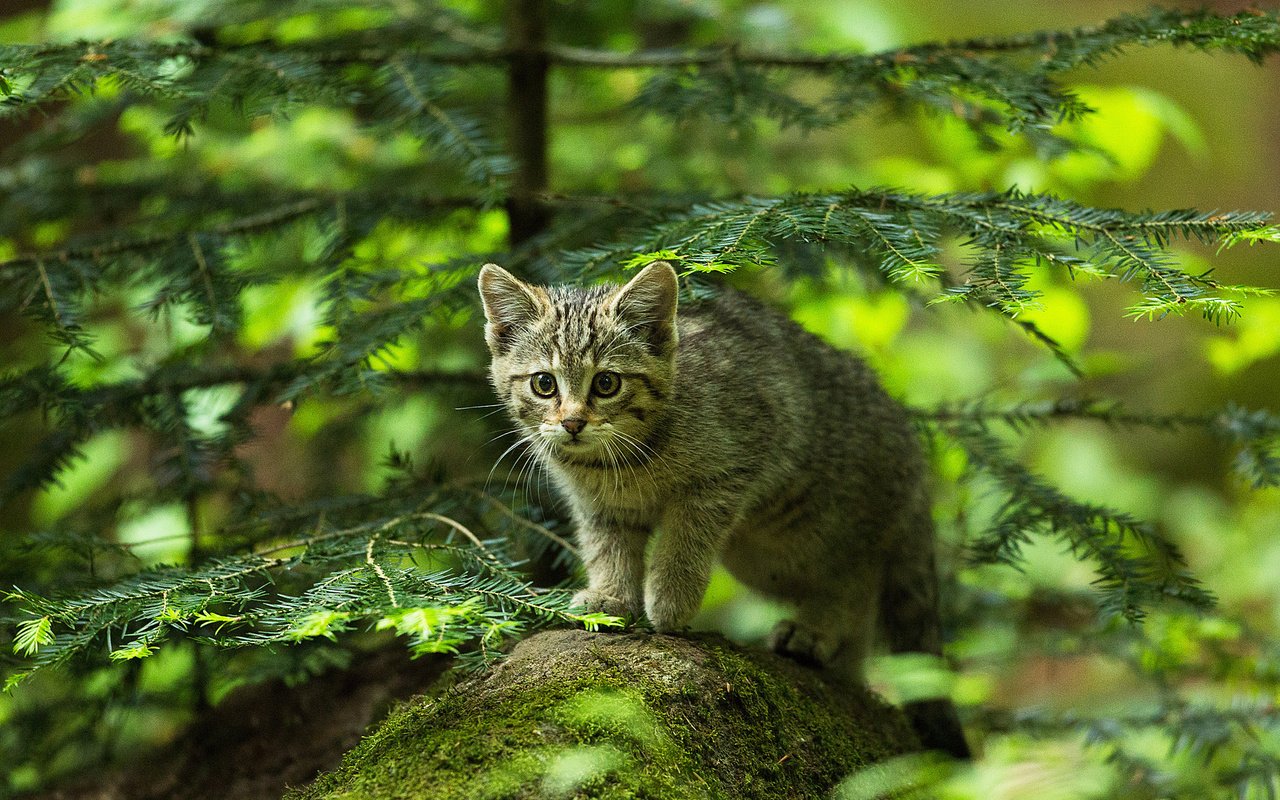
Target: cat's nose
574,425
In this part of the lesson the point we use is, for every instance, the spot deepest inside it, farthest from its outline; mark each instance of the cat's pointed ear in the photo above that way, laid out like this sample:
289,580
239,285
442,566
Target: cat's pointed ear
648,301
509,305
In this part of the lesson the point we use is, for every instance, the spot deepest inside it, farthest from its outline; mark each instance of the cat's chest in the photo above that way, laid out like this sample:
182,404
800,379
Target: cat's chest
617,487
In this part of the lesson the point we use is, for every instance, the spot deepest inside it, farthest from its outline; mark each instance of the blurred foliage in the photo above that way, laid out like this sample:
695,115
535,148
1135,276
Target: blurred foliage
247,433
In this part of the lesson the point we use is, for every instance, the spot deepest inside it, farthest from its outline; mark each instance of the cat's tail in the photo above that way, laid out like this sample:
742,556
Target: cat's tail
938,726
910,619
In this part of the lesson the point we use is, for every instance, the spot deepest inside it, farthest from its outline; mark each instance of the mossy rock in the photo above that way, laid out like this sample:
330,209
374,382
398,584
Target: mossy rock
624,715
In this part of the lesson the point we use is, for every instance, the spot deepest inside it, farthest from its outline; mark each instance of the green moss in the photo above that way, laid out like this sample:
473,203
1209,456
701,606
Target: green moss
596,715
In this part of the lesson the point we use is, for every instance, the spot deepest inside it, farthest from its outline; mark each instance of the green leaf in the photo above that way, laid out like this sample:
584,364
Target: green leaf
13,680
212,617
645,259
171,615
595,620
1270,233
132,652
428,626
32,635
320,623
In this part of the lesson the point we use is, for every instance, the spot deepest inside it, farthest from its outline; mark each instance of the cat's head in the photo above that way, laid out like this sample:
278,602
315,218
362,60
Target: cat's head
585,372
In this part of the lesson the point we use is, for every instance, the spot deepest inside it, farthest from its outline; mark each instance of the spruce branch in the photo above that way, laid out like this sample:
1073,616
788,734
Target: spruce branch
79,412
350,574
1006,82
903,231
1011,233
101,252
1137,565
207,285
1010,83
1253,33
1200,730
1037,334
191,80
117,403
413,90
436,560
1255,431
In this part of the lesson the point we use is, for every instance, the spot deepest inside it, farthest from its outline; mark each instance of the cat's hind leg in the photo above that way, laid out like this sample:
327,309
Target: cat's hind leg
832,633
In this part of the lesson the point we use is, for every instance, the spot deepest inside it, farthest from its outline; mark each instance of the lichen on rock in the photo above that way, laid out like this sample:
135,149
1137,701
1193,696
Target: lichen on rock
624,715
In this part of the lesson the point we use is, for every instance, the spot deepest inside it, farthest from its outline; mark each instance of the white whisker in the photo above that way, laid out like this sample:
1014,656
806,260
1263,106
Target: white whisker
502,435
522,440
491,440
524,459
644,450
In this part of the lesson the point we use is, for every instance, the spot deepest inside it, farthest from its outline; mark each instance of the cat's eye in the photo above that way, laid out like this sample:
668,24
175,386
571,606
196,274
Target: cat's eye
543,384
606,384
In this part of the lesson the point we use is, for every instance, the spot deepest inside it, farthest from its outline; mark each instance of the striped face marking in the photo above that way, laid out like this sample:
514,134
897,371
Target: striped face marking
586,371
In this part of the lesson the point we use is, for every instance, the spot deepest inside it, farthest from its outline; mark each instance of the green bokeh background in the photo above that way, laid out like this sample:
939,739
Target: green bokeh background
1182,129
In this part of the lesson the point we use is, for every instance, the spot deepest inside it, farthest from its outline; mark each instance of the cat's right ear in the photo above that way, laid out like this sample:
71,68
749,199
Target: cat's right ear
510,304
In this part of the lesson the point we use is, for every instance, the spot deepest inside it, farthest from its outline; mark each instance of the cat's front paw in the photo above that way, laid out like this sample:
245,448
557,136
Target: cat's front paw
670,612
597,601
803,644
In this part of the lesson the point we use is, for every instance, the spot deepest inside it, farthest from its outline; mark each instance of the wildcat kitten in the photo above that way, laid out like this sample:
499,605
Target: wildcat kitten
724,431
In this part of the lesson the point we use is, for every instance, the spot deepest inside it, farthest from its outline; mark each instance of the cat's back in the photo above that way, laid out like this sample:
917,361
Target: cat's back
735,336
750,377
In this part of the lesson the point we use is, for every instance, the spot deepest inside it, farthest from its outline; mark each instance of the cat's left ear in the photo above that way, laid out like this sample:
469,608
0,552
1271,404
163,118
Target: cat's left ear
510,304
648,301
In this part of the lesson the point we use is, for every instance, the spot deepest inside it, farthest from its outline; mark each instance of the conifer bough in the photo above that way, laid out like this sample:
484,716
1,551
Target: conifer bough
437,558
1008,233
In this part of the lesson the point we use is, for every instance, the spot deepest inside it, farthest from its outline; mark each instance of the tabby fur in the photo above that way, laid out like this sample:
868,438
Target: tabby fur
731,433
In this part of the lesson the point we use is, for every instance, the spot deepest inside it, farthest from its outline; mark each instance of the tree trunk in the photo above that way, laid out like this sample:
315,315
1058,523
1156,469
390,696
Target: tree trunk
624,715
527,116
